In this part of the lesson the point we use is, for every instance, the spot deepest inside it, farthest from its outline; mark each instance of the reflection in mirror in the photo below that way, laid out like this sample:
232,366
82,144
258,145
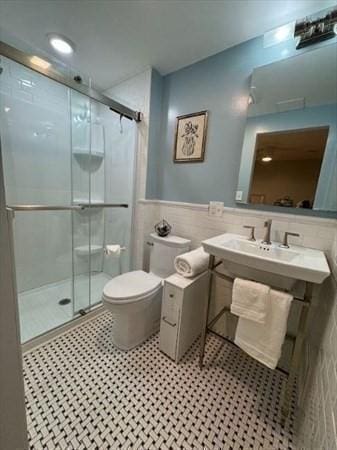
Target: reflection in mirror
292,124
287,167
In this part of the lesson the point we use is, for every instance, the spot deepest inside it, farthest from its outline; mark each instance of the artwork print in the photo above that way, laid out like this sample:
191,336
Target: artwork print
190,137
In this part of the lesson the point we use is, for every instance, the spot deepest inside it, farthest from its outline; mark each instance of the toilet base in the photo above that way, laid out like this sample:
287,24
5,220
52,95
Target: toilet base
136,322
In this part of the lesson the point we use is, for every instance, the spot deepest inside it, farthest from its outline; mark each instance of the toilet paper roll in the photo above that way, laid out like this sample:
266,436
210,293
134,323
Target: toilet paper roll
113,250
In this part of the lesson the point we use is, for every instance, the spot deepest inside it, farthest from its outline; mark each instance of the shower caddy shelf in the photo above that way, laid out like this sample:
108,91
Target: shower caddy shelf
85,154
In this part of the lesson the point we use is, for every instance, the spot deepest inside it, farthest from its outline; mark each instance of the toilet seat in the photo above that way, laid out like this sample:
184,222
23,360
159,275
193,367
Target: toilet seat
131,287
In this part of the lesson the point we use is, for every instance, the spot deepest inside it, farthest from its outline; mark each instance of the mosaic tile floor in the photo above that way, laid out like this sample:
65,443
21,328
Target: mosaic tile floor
82,393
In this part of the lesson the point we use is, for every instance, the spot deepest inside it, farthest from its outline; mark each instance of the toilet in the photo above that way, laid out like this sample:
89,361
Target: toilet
134,298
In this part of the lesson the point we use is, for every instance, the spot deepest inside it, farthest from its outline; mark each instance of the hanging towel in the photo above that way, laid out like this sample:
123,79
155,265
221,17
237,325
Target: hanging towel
264,342
250,300
192,263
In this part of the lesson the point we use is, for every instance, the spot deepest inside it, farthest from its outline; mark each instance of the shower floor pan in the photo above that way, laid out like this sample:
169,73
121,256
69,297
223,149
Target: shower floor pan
40,309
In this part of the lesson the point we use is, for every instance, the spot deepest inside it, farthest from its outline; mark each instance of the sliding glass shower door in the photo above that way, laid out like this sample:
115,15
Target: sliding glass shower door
60,148
102,175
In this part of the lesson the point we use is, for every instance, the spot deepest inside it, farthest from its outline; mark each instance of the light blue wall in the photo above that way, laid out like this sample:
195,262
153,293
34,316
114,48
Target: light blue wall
219,84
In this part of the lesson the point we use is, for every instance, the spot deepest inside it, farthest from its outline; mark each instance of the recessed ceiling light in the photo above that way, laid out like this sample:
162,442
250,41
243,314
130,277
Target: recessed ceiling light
61,44
267,159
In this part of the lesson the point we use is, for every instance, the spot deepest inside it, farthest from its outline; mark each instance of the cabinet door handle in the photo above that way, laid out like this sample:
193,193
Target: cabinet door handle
168,322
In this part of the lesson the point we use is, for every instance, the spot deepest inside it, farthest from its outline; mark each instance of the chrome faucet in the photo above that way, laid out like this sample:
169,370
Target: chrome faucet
252,232
285,239
266,240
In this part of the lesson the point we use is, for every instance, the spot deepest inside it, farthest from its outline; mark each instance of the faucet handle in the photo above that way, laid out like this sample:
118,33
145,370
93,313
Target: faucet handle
285,239
252,232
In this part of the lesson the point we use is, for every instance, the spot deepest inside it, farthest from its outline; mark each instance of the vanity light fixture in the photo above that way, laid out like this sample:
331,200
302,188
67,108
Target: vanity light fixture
61,44
278,35
283,33
266,159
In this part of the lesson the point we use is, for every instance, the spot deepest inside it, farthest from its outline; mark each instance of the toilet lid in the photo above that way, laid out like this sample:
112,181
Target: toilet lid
131,285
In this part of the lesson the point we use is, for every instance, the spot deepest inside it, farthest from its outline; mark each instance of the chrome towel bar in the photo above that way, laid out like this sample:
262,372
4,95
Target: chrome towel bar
78,207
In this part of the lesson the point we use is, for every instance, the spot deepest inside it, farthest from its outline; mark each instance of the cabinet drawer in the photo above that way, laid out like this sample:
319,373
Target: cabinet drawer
171,305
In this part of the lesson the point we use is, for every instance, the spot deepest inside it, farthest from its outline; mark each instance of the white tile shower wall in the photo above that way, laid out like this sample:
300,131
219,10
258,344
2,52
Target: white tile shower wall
36,154
135,92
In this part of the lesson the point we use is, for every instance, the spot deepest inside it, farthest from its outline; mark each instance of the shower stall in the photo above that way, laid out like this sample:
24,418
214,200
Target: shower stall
68,158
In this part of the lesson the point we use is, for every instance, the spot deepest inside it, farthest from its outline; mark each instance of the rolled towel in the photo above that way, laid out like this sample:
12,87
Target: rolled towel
191,263
264,341
250,300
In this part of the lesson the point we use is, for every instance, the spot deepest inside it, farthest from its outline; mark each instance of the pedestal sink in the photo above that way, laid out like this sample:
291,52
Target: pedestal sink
297,263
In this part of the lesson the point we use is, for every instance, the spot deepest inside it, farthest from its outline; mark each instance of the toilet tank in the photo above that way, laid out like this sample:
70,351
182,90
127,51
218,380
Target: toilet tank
163,251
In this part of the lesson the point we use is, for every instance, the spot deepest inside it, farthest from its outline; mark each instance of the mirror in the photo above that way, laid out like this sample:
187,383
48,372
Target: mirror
289,151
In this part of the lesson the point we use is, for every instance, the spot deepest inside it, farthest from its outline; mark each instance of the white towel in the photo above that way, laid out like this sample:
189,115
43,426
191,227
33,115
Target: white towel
191,263
250,300
264,342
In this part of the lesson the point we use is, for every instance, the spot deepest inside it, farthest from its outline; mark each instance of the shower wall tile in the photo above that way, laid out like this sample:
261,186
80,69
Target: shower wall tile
36,146
135,92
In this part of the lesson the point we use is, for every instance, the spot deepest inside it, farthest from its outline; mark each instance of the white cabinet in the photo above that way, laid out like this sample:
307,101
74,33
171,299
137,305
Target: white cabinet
182,313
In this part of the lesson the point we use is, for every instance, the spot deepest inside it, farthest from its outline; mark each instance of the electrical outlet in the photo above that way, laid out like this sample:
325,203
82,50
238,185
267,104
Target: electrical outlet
215,209
238,195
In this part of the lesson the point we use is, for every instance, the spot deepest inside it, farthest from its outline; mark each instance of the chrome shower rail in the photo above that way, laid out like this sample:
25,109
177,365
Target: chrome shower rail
49,71
79,207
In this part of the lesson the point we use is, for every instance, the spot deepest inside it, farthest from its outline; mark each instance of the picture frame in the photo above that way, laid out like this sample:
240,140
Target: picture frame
190,137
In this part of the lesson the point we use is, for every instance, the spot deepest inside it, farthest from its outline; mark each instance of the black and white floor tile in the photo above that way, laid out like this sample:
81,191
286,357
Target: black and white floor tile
82,393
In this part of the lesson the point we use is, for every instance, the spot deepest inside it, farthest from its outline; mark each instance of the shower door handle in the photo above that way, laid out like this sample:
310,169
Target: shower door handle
78,207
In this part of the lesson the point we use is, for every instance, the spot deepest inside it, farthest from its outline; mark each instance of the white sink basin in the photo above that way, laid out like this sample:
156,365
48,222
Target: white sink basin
256,248
298,263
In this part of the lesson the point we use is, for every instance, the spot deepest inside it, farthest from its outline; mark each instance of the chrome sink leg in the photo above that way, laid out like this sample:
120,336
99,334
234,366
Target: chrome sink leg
296,354
206,310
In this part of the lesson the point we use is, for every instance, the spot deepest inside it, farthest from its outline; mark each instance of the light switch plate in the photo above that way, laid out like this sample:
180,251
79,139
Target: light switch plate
215,209
238,195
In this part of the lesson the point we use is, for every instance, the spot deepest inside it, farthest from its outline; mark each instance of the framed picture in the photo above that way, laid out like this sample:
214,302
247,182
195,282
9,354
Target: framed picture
190,137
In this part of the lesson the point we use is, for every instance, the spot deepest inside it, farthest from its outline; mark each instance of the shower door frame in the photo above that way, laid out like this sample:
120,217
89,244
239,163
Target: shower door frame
50,72
25,59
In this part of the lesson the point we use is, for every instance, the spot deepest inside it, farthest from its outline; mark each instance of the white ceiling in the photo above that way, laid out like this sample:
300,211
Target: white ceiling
118,38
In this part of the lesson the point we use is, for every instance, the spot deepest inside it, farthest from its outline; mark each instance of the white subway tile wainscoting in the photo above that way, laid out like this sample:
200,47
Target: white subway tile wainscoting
193,220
